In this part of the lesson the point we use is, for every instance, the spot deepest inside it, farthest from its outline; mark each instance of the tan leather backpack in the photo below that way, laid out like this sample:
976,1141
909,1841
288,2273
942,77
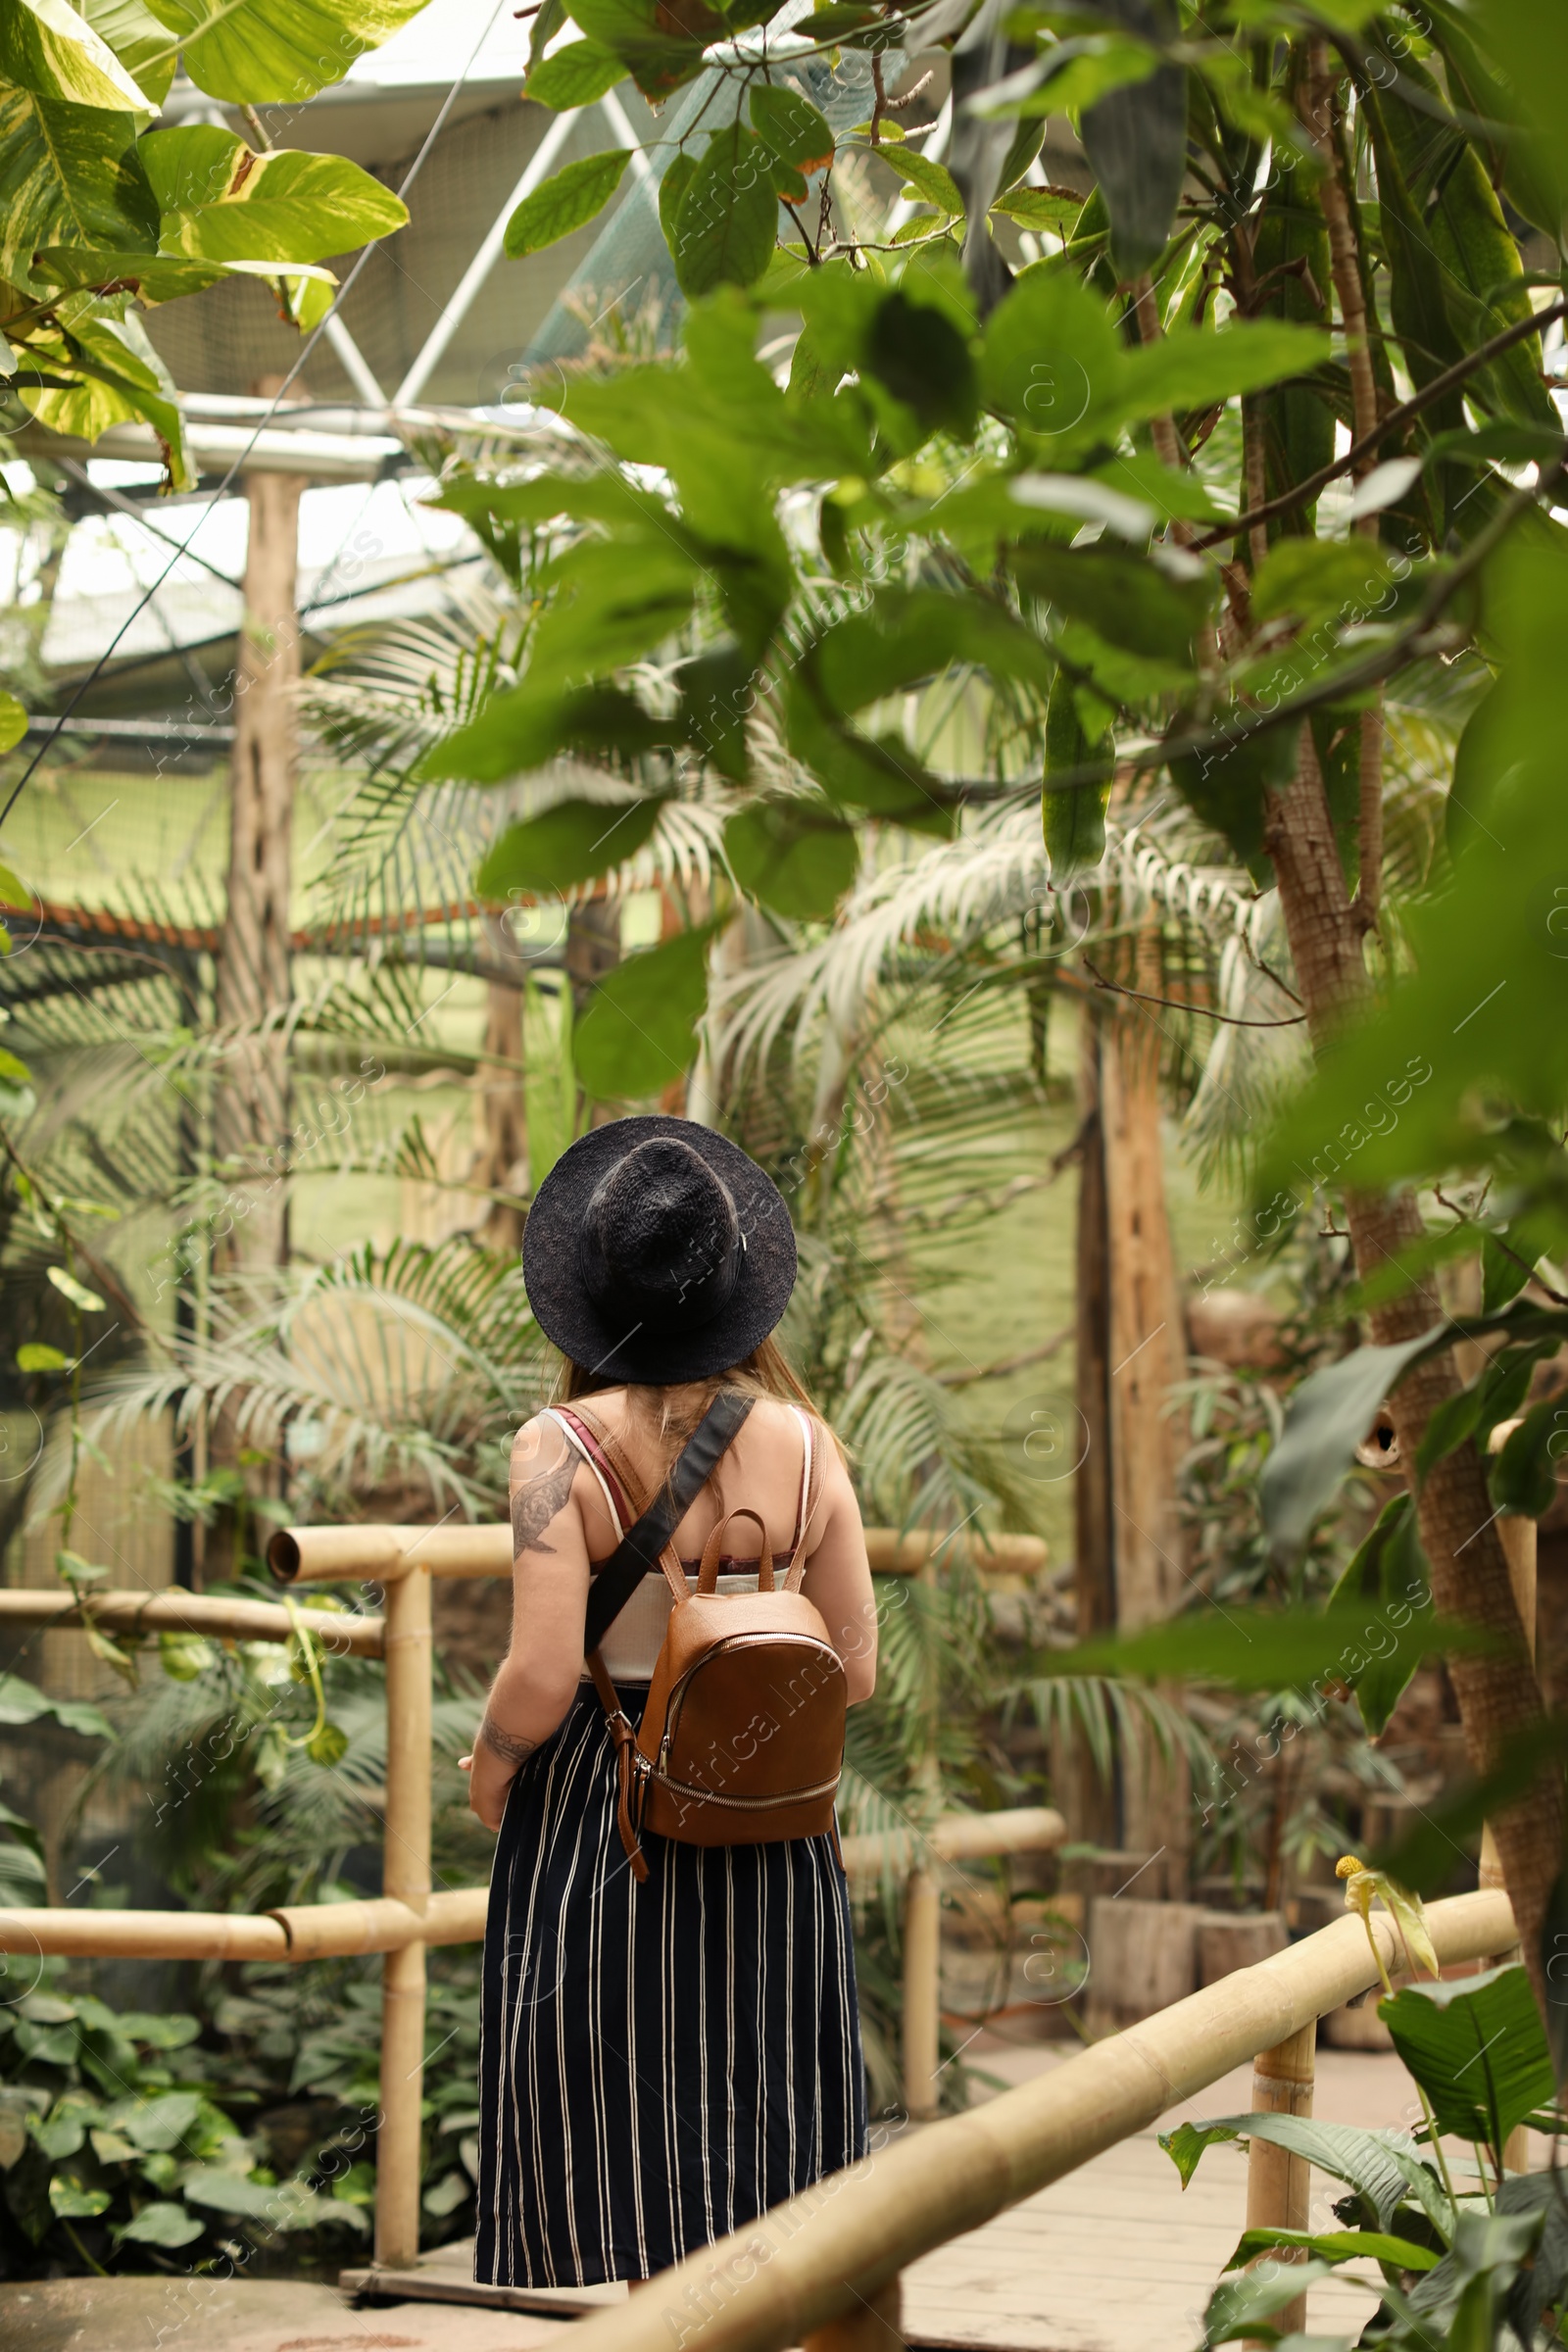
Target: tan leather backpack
742,1740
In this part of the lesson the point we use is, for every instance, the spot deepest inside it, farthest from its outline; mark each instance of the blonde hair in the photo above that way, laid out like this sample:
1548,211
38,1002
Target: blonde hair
765,1372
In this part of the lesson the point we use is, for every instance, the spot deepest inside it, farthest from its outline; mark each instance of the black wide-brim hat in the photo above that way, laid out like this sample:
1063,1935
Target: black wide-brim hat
657,1252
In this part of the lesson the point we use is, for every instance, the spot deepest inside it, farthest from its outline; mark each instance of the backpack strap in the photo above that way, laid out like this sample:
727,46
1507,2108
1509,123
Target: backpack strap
641,1549
811,1496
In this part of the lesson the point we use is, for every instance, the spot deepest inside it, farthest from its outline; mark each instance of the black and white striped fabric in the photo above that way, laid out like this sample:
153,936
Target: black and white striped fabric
658,2064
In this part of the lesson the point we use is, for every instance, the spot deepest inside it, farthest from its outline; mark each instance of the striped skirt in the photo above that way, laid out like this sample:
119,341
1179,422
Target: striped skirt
659,2064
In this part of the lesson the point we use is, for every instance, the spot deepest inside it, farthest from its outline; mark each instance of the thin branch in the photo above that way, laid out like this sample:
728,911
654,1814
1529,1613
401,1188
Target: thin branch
1458,374
1232,1020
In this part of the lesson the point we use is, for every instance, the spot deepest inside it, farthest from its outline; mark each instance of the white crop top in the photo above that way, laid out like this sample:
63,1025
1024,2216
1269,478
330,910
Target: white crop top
631,1647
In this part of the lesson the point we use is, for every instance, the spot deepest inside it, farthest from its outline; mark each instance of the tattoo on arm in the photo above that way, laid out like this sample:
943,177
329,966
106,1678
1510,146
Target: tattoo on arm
537,1502
505,1744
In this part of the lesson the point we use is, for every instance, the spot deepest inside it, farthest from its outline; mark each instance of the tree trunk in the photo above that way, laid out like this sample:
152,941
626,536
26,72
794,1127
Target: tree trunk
1147,1357
1498,1697
251,1098
502,1164
1091,1805
251,1110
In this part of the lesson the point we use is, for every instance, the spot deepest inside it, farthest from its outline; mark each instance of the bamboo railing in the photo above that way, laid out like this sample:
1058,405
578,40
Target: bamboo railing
823,2270
408,1915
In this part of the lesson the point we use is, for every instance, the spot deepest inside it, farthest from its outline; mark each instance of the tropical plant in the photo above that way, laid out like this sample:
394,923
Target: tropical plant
105,211
1454,2255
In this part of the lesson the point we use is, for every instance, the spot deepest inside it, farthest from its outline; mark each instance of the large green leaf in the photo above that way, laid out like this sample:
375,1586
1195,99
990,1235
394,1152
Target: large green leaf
1387,1582
576,76
1073,817
570,842
1325,1421
162,2225
1477,2050
795,856
157,276
565,202
1123,596
795,132
1136,142
21,1702
881,775
1338,2246
139,40
265,50
727,222
1382,2166
639,1032
612,603
1192,371
113,380
68,175
1480,273
1244,2306
1264,1649
662,45
1051,353
47,48
909,634
219,201
523,728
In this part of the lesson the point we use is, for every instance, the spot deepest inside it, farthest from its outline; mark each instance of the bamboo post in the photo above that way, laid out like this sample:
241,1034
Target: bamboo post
406,1877
922,1977
1279,2185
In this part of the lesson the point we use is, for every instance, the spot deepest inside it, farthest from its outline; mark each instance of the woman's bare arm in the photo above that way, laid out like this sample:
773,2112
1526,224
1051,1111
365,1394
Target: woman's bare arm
537,1680
838,1577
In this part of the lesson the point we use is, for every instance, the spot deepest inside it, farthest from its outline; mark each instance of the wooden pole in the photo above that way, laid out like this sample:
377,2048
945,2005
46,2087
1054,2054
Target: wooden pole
1147,1355
1279,2185
305,1932
176,1611
958,1838
922,1981
406,1877
335,1555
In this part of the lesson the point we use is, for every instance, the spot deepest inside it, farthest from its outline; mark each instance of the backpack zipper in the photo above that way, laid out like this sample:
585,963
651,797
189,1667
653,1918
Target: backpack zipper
677,1697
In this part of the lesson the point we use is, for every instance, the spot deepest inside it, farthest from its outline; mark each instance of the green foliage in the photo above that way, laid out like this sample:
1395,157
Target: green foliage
639,1031
576,76
115,2135
101,206
1477,2050
725,218
571,842
792,856
565,202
